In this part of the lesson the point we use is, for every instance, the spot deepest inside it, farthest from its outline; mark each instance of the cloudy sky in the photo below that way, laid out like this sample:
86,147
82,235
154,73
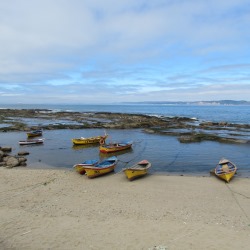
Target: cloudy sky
103,51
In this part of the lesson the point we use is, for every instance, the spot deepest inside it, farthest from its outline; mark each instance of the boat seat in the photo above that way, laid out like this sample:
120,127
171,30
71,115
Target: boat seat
225,168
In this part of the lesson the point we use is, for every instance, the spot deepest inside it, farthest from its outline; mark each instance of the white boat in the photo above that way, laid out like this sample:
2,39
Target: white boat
31,141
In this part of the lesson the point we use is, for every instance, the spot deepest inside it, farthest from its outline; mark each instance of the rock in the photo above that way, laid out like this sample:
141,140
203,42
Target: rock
23,164
21,159
6,149
12,162
164,125
1,155
5,158
23,153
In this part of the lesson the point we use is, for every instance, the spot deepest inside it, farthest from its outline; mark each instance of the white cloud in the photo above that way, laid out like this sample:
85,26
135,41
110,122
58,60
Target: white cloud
146,45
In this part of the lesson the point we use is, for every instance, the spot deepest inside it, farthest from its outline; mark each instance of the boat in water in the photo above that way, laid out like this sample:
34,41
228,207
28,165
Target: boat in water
225,170
104,167
114,147
35,133
80,167
31,141
90,140
138,170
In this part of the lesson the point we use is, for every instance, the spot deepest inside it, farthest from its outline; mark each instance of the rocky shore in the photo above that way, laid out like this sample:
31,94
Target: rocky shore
186,129
9,161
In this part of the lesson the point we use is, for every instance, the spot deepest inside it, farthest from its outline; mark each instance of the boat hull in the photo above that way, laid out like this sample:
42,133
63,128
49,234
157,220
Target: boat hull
31,142
111,149
80,167
35,133
95,172
134,174
227,176
225,170
106,166
138,170
85,141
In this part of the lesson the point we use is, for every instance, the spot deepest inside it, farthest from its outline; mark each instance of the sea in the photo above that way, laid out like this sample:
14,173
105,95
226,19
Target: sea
167,155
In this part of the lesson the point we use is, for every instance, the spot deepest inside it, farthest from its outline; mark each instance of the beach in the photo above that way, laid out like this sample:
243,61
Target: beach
60,209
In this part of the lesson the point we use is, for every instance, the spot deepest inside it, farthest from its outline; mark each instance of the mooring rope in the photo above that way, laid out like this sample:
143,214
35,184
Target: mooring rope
237,202
136,156
27,188
176,156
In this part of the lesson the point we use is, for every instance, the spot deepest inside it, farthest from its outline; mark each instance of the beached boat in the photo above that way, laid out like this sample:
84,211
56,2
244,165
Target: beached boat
80,167
34,133
114,147
138,170
31,141
89,140
225,170
106,166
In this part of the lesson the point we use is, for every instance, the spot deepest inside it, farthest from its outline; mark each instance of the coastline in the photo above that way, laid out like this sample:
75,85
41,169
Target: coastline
58,209
186,129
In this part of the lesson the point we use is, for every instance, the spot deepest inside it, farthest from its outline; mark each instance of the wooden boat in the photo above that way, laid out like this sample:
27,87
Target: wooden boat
106,166
31,141
34,133
114,147
89,140
80,167
225,170
137,170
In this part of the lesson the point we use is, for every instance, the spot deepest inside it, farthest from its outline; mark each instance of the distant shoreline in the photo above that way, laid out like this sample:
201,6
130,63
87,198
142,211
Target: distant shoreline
211,102
187,129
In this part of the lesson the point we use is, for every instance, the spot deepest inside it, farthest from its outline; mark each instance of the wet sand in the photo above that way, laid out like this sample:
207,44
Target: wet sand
60,209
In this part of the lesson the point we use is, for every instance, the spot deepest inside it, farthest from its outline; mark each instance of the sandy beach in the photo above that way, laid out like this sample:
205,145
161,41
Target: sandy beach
60,209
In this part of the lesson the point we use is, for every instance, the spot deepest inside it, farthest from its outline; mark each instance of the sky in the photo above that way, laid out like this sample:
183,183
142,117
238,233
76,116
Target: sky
109,51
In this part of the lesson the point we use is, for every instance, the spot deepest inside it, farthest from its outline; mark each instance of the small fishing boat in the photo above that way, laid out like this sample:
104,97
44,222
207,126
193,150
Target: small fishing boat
80,167
31,141
89,140
34,133
225,170
106,166
138,170
114,147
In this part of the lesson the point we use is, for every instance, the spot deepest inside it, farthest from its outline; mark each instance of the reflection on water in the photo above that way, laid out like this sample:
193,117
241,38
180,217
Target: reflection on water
126,151
166,153
84,146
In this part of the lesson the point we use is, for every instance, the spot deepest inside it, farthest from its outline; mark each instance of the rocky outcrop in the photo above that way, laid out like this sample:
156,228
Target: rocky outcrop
186,129
9,161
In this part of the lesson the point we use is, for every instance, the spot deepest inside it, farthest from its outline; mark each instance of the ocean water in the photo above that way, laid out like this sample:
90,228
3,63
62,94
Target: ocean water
166,153
232,114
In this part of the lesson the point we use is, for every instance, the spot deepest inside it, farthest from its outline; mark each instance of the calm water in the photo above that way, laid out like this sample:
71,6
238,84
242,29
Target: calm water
166,153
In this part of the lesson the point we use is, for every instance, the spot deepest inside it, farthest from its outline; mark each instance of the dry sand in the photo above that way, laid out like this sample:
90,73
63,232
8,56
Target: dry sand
58,209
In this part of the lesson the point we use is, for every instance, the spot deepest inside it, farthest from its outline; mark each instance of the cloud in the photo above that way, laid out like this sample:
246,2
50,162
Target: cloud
138,48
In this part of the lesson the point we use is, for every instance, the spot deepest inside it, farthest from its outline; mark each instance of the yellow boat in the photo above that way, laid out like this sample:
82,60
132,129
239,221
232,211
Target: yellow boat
80,167
89,140
225,170
114,147
138,170
35,133
106,166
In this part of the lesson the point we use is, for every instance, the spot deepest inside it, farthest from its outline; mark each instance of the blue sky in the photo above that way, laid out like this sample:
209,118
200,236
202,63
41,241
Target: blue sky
89,51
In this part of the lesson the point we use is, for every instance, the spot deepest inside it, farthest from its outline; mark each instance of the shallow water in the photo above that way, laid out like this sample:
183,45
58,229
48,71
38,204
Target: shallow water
166,153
